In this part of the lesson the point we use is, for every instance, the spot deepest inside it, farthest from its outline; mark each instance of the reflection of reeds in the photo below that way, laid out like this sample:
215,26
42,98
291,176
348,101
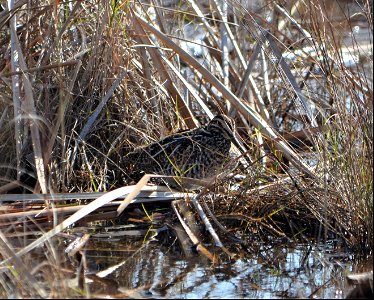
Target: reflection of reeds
82,84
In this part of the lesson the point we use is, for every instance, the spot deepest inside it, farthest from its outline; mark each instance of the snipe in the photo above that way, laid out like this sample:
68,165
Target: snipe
197,153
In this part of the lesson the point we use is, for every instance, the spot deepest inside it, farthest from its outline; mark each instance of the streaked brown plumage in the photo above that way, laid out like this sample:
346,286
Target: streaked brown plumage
197,153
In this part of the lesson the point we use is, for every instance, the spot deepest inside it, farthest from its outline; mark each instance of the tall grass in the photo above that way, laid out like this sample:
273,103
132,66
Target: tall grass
66,123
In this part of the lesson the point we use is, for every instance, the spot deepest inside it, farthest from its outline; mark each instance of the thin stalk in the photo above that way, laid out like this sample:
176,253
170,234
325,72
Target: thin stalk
15,89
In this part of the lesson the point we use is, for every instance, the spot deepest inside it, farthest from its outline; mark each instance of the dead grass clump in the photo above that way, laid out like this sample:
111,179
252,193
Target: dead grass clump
285,210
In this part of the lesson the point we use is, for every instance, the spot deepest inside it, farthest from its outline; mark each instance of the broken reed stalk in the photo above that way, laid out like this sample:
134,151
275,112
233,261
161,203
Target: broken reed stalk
15,91
30,112
196,242
129,191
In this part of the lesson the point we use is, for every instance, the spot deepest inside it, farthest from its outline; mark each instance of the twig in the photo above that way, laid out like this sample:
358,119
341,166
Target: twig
92,119
15,88
177,97
43,68
290,77
209,226
192,236
30,111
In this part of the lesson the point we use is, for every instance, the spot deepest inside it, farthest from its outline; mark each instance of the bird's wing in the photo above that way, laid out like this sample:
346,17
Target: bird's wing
171,145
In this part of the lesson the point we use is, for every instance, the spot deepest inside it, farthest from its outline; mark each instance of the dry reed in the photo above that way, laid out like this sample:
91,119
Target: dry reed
83,83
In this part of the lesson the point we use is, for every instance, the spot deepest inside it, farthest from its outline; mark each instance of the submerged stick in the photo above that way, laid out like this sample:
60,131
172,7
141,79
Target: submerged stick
209,226
199,247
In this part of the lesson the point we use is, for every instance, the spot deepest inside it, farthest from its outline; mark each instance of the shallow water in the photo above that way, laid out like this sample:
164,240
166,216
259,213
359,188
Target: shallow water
153,267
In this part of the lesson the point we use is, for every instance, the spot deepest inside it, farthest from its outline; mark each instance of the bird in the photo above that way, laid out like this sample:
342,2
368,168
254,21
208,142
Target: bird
198,153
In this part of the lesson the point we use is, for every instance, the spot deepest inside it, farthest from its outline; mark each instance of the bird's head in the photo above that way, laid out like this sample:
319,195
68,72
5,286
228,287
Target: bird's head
223,125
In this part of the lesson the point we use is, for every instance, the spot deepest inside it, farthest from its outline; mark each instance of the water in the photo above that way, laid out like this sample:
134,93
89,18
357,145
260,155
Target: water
154,267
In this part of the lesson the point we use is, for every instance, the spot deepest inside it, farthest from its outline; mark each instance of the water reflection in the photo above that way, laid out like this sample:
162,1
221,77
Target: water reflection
155,268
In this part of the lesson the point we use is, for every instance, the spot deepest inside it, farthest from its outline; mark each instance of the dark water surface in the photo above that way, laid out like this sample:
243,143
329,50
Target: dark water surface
142,263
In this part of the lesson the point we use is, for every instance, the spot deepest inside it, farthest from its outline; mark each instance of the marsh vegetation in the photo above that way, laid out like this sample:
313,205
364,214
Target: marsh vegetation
83,83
